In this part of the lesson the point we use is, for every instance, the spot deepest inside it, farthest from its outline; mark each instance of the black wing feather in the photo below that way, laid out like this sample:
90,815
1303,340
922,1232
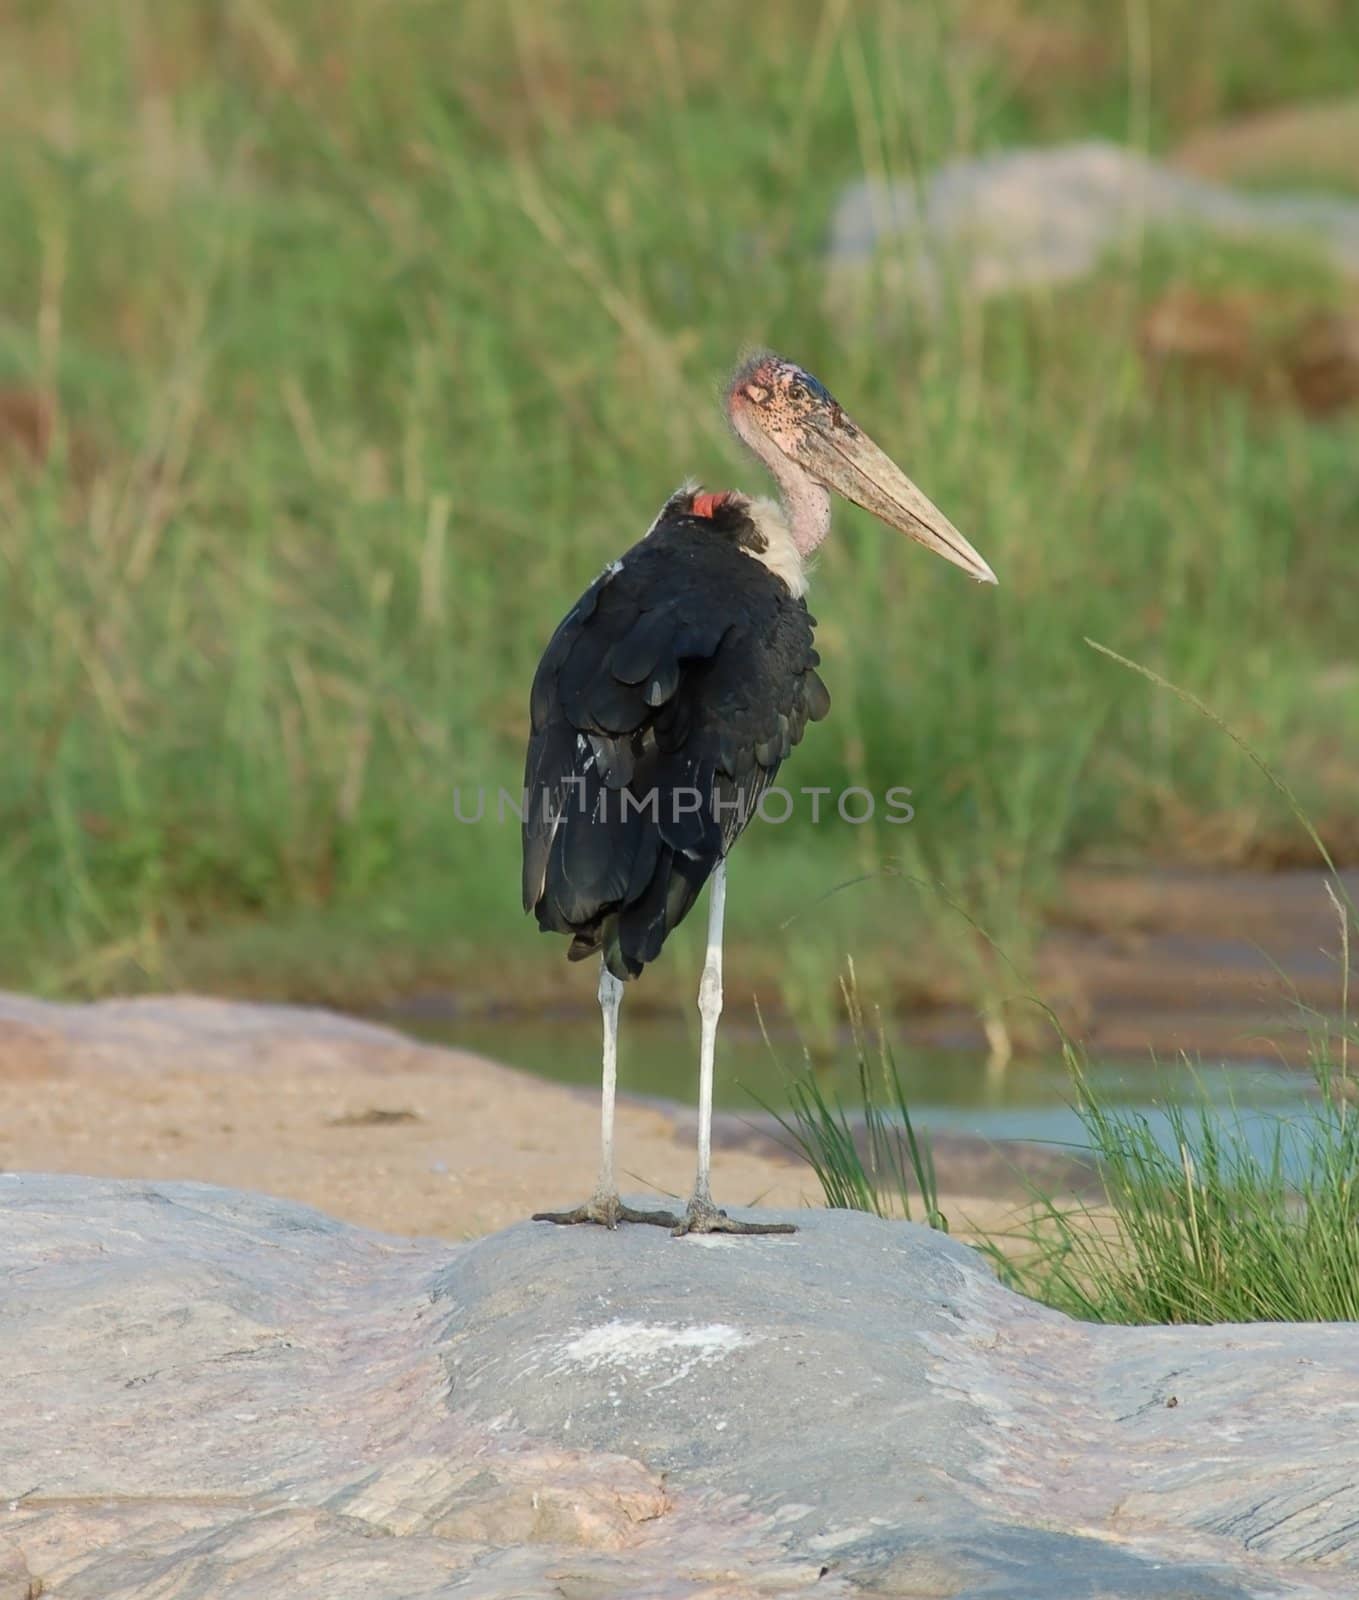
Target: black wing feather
661,711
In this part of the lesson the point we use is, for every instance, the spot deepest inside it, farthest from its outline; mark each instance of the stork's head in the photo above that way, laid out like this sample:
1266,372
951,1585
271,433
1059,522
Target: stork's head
785,415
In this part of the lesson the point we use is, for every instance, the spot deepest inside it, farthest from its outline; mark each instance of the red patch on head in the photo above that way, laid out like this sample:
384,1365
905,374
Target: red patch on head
707,505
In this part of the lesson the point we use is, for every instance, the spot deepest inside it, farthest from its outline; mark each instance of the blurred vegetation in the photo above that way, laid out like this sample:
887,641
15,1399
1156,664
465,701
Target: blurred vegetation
340,345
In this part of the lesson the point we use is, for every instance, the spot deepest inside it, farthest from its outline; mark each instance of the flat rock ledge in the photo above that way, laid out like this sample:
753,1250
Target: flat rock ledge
215,1394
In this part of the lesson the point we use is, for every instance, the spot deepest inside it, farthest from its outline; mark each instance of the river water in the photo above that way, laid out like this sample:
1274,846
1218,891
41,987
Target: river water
951,1092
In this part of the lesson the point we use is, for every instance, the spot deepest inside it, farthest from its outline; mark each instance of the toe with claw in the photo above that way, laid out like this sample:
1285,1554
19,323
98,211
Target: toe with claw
607,1211
702,1216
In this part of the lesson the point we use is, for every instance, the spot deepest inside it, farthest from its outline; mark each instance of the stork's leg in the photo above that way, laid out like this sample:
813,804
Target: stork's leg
701,1215
604,1206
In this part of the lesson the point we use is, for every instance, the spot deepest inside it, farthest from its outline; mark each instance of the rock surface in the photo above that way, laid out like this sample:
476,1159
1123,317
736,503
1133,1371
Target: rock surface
213,1394
1022,218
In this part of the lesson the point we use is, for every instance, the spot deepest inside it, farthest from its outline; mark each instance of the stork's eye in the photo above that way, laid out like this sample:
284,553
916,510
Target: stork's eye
797,391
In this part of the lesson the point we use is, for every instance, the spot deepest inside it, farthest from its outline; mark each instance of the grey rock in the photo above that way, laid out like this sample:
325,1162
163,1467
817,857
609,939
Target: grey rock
1023,218
156,1032
214,1394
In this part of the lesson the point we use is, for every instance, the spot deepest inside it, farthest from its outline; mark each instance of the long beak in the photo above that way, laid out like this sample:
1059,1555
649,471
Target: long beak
845,459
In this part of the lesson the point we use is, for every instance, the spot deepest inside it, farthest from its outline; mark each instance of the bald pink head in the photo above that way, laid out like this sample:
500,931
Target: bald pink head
800,431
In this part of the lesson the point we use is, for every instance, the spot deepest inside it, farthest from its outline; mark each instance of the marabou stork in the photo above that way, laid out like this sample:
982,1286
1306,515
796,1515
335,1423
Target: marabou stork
666,701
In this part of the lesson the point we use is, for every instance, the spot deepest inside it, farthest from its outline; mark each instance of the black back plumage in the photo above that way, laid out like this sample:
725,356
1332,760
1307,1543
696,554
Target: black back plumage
660,711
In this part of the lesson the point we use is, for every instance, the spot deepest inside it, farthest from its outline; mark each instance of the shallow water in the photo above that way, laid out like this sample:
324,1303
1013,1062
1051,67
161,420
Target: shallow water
949,1091
1213,964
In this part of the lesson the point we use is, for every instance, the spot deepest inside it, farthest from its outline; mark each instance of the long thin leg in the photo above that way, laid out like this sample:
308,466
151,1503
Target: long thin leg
709,1010
701,1215
604,1205
610,1002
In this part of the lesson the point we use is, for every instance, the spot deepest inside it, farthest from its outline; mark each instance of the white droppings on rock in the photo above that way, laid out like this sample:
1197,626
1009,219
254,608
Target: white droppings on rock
646,1348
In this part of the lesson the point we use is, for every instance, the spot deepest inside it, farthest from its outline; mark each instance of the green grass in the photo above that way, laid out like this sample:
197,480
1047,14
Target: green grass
1204,1221
1208,1228
1200,1224
897,1169
374,331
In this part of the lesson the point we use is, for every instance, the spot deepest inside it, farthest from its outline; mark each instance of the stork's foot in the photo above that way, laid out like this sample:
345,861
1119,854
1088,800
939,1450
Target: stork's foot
702,1216
607,1211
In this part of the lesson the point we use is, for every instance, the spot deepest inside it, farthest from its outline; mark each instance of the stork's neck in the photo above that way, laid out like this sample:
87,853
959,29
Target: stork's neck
805,503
